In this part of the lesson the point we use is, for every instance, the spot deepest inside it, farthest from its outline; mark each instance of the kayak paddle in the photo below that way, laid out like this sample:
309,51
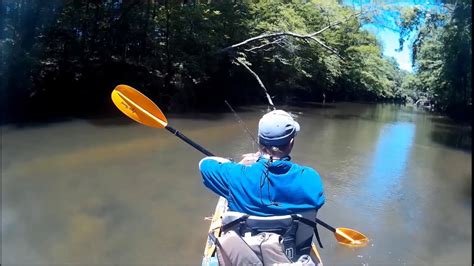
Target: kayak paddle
346,236
141,109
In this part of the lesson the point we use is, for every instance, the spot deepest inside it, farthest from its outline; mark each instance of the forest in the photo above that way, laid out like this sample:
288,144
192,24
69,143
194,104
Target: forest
62,58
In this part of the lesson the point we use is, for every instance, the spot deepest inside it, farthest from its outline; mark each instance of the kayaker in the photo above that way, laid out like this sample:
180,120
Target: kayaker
266,183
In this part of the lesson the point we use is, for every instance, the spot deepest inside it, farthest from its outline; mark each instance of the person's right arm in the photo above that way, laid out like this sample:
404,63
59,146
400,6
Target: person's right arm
314,187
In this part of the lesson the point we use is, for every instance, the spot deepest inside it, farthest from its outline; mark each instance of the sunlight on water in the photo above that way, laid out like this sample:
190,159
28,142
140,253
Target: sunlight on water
389,160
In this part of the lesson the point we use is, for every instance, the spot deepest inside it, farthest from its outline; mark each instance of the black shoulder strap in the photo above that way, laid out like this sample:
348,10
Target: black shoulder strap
312,224
231,224
226,227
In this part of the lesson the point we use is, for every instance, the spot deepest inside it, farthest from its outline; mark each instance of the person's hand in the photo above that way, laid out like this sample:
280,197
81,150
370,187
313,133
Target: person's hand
249,158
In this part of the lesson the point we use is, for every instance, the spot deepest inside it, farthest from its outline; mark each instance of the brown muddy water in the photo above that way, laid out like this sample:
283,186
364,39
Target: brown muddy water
114,192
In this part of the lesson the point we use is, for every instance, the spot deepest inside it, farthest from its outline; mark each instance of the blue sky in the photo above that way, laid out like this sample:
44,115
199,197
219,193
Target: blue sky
387,31
390,43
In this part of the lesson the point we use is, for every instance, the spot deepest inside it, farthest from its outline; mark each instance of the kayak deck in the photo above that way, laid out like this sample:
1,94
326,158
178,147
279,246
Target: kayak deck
210,257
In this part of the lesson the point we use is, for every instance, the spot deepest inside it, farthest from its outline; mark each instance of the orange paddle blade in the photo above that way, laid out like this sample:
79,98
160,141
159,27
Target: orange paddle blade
138,107
350,237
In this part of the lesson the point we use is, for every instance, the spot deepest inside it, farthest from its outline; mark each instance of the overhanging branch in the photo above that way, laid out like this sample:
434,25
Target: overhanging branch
259,81
281,35
277,38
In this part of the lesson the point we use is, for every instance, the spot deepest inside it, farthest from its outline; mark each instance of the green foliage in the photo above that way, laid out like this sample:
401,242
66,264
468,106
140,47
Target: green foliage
55,51
442,56
309,70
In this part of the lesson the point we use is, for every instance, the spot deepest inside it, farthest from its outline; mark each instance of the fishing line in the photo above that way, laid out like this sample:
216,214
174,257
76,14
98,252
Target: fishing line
242,124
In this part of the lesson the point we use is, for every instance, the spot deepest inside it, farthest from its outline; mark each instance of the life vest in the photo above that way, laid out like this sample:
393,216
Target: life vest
255,240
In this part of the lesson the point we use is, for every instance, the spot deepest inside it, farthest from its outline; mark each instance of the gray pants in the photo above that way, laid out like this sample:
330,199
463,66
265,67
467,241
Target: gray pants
260,249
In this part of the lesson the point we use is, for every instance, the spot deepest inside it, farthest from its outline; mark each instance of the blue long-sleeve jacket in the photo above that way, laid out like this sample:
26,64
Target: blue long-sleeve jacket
264,189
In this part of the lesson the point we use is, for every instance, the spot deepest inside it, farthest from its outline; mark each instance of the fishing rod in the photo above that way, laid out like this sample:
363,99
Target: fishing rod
242,123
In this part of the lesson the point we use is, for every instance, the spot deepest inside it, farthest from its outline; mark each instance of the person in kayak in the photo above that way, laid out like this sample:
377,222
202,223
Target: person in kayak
266,183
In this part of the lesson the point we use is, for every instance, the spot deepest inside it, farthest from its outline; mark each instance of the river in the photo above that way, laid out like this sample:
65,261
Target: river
114,192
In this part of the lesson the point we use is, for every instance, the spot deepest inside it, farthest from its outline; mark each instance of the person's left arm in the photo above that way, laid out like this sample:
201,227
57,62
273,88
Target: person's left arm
214,171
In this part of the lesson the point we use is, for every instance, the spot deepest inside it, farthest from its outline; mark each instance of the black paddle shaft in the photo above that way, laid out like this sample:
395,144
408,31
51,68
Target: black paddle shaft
327,226
189,141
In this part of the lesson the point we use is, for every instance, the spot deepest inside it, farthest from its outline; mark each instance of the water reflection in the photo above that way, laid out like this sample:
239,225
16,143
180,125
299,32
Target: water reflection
449,136
390,160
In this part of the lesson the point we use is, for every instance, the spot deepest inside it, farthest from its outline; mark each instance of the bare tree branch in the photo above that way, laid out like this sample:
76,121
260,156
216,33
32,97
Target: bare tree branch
277,38
335,24
288,33
264,45
259,37
259,81
327,47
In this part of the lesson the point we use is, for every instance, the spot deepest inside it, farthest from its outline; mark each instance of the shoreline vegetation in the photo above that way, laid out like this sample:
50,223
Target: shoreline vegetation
63,58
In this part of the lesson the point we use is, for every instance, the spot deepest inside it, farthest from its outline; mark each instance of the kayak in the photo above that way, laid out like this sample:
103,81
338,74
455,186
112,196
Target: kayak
210,254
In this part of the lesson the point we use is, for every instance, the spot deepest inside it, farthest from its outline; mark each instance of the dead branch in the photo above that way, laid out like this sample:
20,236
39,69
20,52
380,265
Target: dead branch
289,33
264,45
259,81
277,38
286,33
327,47
335,24
259,37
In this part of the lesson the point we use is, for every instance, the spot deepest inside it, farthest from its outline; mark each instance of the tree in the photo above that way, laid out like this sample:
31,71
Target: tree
442,56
